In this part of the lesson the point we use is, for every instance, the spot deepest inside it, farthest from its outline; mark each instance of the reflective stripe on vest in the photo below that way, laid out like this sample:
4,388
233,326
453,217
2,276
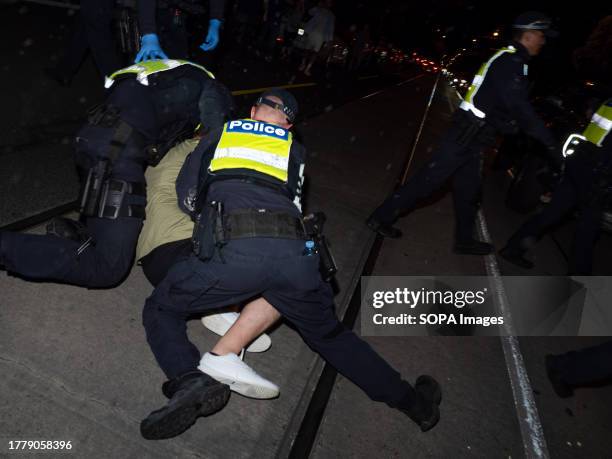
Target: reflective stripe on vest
254,145
144,69
600,125
468,103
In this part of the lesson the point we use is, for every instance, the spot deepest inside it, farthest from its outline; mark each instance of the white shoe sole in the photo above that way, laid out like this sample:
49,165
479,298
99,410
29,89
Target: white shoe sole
220,327
251,390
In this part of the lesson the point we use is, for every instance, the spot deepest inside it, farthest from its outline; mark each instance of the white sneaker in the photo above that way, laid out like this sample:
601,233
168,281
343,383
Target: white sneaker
221,323
241,378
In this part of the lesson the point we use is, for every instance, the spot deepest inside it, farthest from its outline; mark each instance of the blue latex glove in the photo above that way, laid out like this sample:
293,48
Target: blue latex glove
212,38
149,49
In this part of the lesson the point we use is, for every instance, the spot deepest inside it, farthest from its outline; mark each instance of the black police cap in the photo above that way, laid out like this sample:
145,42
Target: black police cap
534,20
289,103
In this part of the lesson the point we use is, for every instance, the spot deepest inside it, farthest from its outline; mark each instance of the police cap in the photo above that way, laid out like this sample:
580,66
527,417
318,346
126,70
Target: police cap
289,104
534,20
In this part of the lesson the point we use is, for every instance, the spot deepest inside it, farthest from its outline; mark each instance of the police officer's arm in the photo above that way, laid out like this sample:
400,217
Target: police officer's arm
146,16
188,178
512,85
295,173
217,8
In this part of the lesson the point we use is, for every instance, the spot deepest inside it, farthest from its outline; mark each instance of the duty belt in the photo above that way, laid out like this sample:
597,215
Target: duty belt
112,199
261,223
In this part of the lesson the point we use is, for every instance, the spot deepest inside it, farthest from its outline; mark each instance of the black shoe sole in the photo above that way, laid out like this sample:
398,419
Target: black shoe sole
169,422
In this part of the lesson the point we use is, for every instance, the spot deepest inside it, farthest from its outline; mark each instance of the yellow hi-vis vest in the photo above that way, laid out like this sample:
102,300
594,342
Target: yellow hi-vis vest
253,145
596,132
144,69
468,102
600,125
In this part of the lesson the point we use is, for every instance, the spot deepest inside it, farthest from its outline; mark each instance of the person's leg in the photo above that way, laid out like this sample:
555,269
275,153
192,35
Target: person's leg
466,196
256,317
588,229
191,287
579,368
98,17
444,162
563,200
52,258
157,263
312,312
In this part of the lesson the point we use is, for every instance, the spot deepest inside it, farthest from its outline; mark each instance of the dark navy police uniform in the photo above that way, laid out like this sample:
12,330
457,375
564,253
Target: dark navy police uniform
172,103
244,268
497,102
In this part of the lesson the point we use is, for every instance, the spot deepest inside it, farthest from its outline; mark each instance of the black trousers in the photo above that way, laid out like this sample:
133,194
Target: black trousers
157,263
93,32
571,193
276,270
105,264
463,163
587,366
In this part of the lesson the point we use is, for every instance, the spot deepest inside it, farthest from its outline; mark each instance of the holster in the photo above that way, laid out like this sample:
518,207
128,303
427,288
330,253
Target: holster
313,226
208,231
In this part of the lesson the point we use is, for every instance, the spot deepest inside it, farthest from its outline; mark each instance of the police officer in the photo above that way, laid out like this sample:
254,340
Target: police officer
167,17
586,184
249,241
148,109
496,102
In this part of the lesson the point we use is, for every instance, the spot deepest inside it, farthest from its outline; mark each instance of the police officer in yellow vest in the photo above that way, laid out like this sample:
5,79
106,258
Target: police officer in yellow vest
496,102
243,184
586,185
149,107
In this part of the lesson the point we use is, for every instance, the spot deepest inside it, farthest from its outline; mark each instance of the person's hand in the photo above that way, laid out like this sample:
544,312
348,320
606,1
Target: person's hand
149,49
212,37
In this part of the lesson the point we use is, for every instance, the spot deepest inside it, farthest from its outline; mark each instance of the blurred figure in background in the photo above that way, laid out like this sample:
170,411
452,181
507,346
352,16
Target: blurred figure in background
318,30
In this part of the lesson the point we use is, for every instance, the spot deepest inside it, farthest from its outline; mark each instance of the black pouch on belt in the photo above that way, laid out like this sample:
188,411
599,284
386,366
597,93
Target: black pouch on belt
204,240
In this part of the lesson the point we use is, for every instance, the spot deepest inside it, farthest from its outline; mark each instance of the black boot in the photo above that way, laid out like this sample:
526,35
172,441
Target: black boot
192,395
425,410
473,247
515,256
382,229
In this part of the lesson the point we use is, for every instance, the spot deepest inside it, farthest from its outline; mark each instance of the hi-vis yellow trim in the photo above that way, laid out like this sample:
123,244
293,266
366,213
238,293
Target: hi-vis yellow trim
254,145
468,102
600,125
144,69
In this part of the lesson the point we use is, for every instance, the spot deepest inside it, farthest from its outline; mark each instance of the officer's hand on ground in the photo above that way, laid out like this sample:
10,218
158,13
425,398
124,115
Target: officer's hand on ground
212,38
150,49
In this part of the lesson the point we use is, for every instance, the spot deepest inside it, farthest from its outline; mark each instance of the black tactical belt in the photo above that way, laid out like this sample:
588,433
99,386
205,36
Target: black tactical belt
262,223
113,196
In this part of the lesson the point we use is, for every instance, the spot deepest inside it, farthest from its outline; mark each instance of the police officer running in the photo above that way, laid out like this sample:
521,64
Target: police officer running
496,102
249,241
586,184
149,108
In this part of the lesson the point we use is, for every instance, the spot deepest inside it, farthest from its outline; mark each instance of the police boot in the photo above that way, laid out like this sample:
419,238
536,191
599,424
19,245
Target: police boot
193,394
68,229
425,410
515,256
473,247
382,229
